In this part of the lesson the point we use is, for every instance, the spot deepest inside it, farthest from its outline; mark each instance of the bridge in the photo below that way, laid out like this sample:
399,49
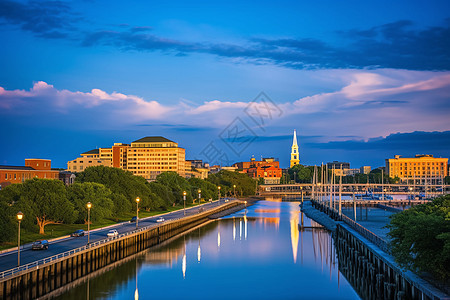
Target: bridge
315,190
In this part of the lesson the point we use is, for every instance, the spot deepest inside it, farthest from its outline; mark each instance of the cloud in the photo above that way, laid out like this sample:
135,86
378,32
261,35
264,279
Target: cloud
46,19
369,103
397,45
408,144
394,45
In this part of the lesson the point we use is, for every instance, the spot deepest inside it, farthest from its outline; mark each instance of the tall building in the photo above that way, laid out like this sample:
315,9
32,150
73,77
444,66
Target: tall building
421,168
147,157
295,156
365,169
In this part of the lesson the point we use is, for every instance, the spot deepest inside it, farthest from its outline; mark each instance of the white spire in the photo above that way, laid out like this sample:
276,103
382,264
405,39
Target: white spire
294,143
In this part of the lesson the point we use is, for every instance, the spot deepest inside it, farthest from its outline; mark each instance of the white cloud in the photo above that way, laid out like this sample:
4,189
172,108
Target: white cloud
368,103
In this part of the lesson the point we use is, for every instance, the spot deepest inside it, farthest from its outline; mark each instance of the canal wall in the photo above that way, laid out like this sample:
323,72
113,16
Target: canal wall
45,278
365,261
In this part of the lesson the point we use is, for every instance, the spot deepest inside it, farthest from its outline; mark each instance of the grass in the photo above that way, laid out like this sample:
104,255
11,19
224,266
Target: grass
57,230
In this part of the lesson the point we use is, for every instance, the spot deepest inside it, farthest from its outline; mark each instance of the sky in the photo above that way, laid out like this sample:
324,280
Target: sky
360,81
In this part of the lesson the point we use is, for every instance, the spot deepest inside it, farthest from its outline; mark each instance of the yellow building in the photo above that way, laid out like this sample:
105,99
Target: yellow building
422,168
88,159
147,157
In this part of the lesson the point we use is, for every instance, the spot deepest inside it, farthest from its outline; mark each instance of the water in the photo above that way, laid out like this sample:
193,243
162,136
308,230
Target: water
259,253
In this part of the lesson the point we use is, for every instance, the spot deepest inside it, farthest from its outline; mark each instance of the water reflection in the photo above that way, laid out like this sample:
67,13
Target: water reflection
262,263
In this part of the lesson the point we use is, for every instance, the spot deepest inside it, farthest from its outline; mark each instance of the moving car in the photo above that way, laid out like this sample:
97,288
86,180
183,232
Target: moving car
40,245
79,232
133,219
160,219
112,233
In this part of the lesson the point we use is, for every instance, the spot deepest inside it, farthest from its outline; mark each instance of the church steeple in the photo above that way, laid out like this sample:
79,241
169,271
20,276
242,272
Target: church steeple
295,157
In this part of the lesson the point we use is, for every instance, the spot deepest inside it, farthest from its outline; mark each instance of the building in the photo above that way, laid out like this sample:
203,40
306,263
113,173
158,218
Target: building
268,169
34,168
87,159
423,168
147,157
338,165
295,155
365,169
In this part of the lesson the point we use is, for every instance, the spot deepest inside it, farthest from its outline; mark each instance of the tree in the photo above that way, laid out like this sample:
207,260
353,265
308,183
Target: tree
99,195
245,185
46,201
124,183
8,224
176,185
420,237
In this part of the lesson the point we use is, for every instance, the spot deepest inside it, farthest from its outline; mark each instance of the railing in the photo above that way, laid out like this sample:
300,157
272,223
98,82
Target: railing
36,264
332,212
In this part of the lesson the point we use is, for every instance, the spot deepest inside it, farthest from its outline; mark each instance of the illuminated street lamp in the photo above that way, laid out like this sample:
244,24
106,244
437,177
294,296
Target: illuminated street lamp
137,211
19,218
199,195
234,190
184,201
89,205
219,193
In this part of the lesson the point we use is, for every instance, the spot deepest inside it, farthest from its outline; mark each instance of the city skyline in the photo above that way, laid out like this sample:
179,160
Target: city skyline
360,82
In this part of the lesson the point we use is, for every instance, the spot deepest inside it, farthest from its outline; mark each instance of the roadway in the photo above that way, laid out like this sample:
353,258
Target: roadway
8,260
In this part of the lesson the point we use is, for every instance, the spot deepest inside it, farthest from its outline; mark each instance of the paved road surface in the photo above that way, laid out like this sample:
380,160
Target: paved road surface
9,260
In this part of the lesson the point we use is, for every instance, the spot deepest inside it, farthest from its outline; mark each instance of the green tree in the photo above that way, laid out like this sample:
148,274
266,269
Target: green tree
46,201
420,237
176,185
8,223
209,190
123,183
99,195
245,185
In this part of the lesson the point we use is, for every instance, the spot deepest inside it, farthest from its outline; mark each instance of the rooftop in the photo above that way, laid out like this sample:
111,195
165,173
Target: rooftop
15,168
93,151
153,139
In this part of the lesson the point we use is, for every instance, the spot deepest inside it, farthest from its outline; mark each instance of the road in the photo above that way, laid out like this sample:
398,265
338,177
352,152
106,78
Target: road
9,260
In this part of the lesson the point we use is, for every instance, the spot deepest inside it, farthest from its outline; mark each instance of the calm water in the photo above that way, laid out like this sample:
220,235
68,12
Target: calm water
256,254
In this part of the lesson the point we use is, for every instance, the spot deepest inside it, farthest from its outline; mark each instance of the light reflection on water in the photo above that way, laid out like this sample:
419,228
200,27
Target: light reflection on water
261,252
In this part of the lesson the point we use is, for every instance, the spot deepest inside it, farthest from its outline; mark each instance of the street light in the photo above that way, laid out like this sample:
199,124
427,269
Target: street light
184,201
19,218
137,211
89,205
199,195
219,193
234,190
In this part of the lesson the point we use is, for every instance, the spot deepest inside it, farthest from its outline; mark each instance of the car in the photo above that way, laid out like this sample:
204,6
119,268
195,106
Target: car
160,220
112,233
79,232
133,219
40,245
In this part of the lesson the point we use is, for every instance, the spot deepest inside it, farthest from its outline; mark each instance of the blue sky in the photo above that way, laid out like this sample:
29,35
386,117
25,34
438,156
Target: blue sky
360,81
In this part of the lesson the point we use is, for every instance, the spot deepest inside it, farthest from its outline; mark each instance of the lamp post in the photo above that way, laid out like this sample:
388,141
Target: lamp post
219,193
19,218
184,201
234,190
89,205
199,195
137,211
301,188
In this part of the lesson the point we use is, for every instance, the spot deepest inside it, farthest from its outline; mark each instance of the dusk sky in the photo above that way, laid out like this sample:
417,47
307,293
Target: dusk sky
360,81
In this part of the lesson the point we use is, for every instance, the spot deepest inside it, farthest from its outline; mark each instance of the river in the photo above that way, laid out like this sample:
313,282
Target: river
258,253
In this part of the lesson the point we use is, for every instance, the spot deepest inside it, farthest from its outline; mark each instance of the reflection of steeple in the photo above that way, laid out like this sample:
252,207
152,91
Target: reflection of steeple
199,251
234,229
183,264
294,233
218,237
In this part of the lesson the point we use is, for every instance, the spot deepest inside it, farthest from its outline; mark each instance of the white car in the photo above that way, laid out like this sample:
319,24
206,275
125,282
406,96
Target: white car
160,220
112,233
